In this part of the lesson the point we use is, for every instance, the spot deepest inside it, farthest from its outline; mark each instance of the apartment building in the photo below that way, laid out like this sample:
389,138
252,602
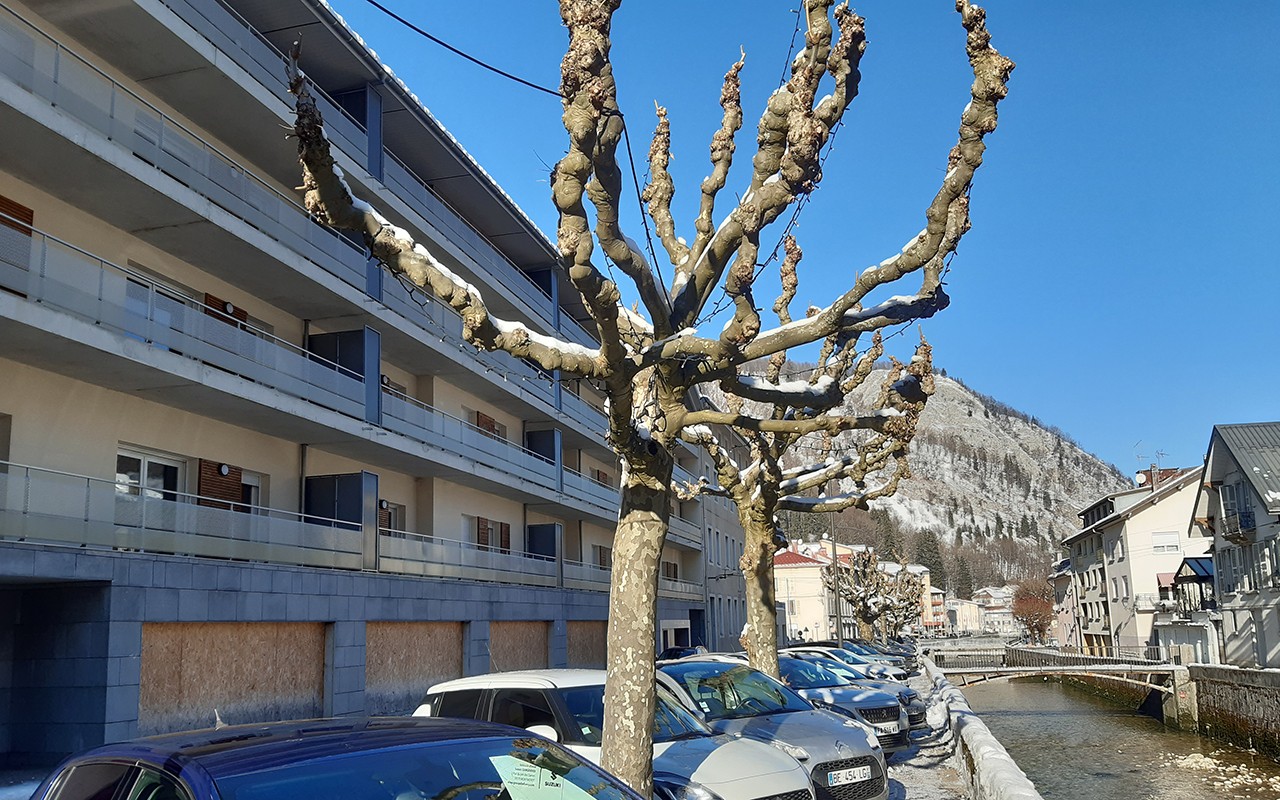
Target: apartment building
1128,543
241,468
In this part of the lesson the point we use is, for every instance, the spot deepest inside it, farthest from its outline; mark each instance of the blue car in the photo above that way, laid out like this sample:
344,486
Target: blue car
338,759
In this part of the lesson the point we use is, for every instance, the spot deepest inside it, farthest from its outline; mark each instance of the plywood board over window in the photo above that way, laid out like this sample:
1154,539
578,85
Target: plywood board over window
249,672
403,659
518,645
586,643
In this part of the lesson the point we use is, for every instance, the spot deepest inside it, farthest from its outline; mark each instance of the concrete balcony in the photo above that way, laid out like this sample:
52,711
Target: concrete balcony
684,533
684,590
410,553
57,275
40,505
585,575
602,495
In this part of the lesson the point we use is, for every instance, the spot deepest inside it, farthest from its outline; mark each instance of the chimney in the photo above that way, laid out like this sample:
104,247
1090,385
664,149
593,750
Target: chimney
1155,477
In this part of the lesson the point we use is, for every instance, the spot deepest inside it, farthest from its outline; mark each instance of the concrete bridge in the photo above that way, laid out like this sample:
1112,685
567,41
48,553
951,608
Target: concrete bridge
1154,669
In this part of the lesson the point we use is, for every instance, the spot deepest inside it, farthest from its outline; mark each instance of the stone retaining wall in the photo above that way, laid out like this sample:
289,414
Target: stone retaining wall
990,773
1239,705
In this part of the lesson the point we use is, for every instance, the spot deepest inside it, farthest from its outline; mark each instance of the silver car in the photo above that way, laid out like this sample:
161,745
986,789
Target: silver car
691,762
822,687
844,759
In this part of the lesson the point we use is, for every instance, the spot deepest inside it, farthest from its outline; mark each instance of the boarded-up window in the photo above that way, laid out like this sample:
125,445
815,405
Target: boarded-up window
586,643
518,645
250,672
403,659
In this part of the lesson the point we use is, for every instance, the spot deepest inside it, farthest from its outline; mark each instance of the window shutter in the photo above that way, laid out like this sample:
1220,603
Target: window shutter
213,486
504,537
216,307
15,244
482,531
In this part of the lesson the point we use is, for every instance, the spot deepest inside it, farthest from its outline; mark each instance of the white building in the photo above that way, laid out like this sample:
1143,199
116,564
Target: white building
1127,540
1239,506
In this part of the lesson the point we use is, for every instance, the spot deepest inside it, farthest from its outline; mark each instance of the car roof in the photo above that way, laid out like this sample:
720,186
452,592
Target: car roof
236,749
525,679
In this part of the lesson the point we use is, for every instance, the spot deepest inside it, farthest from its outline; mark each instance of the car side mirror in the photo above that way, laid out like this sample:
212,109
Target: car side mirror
545,731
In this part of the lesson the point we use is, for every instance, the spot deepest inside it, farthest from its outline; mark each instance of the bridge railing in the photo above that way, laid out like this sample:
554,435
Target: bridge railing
1010,656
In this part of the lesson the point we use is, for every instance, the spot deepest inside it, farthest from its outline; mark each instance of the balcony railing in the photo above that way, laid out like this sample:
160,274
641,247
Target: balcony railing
62,276
1238,523
45,67
683,589
419,421
44,505
586,575
417,554
602,494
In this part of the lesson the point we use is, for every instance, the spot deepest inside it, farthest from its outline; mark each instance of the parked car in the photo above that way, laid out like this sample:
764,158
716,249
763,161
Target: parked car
681,652
397,758
874,708
909,698
873,668
842,755
567,706
824,688
871,652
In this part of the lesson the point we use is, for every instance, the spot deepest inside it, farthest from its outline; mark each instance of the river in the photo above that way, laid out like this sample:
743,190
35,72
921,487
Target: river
1076,746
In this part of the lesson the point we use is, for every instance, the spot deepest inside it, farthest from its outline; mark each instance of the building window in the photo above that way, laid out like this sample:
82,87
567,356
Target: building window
1166,542
1124,586
602,556
486,423
671,570
139,472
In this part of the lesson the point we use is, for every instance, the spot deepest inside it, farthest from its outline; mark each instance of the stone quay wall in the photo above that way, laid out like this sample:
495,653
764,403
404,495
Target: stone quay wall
1241,706
988,770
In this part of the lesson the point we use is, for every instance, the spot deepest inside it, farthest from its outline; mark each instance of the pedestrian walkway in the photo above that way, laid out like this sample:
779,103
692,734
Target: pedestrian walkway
926,771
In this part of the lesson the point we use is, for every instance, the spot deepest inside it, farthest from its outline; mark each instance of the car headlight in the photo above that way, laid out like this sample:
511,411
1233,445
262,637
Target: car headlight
669,786
795,751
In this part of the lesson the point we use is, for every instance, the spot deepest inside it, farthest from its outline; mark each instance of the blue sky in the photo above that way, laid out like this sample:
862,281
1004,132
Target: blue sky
1118,282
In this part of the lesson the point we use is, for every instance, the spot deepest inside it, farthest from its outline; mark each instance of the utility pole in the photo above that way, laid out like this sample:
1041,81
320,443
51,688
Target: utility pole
835,555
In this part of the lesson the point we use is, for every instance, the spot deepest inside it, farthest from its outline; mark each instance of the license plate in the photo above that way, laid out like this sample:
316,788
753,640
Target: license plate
852,775
887,727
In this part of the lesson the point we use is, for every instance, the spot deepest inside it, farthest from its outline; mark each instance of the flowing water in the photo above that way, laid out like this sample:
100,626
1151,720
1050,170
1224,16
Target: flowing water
1077,746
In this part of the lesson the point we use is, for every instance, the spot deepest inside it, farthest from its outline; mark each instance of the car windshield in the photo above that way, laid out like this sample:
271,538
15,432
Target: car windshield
726,691
670,721
500,768
803,675
846,671
847,657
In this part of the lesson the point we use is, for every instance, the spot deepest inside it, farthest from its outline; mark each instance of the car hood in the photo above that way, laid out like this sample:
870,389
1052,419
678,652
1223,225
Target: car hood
855,696
734,768
891,687
826,736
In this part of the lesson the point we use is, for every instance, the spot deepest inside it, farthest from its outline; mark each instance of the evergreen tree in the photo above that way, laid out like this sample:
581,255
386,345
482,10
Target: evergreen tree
962,581
929,553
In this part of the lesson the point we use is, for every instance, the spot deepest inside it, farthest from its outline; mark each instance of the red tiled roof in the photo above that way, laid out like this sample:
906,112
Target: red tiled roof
788,558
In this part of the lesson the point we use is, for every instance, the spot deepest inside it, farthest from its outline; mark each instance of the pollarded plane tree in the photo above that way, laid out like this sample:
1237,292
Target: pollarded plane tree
650,356
835,471
879,594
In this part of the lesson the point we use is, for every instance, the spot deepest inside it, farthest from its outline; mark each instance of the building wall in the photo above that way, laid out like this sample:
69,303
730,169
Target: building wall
403,658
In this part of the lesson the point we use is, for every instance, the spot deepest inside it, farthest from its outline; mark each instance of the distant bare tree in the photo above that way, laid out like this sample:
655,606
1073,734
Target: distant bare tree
1033,607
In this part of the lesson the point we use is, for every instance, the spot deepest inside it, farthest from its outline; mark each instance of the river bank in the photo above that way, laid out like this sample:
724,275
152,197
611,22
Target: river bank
1072,742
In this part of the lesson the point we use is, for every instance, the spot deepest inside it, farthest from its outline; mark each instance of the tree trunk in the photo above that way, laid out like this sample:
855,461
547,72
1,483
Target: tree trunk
627,745
761,637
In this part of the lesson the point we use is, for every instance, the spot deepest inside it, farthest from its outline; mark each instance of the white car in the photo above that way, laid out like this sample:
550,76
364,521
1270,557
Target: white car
691,762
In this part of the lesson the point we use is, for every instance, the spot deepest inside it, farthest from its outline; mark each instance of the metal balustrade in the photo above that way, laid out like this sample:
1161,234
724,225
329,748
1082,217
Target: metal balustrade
586,575
412,553
46,68
601,494
62,276
44,505
419,421
583,412
680,588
